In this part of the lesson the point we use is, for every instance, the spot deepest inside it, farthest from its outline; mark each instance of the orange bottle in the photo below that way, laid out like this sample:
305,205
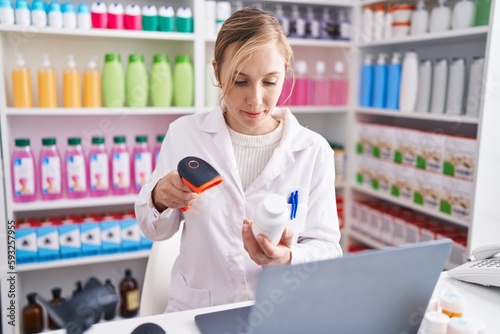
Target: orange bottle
92,86
47,89
21,84
72,87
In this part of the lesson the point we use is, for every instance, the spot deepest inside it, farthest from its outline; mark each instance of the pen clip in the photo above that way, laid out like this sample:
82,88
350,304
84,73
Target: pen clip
291,200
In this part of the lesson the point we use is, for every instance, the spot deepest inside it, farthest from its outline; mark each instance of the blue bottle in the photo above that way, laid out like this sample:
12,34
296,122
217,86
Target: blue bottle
367,71
380,82
394,81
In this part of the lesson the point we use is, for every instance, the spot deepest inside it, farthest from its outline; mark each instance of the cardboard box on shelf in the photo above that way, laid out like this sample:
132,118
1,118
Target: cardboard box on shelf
460,157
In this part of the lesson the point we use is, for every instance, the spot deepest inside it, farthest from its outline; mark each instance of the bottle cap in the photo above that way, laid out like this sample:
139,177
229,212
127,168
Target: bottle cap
274,205
159,138
22,4
22,142
166,11
48,141
379,7
115,8
301,67
20,60
320,66
462,326
31,297
68,7
5,4
133,9
368,59
119,139
107,281
45,61
136,57
149,10
382,58
56,292
182,59
452,303
141,139
112,57
92,65
160,58
184,12
74,141
37,5
54,6
83,8
71,62
99,8
97,140
339,67
435,322
128,272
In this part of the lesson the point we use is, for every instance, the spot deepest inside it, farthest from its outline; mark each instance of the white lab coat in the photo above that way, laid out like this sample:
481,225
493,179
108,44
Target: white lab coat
213,267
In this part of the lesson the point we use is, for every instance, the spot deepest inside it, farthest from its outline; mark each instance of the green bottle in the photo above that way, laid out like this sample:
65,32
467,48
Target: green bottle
136,82
160,82
113,81
183,82
482,13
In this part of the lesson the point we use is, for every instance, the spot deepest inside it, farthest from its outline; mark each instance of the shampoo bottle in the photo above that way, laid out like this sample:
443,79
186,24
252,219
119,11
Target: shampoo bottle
440,18
319,91
456,83
132,19
149,18
166,18
99,15
419,19
157,148
184,19
21,84
300,95
283,20
463,14
92,85
136,82
116,16
7,15
160,81
409,82
23,172
142,163
482,16
113,81
439,86
367,22
50,170
84,20
47,90
75,167
69,15
339,85
183,94
38,14
380,82
55,15
72,89
367,74
394,81
424,86
476,83
23,15
98,168
120,166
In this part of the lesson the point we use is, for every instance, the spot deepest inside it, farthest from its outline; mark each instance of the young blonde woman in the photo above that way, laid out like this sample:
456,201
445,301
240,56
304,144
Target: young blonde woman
258,149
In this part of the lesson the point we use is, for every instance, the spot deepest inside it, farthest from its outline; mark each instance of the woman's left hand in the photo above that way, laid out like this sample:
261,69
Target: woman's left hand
262,251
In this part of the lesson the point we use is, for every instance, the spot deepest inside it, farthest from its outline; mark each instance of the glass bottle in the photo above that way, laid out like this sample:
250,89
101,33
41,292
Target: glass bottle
129,295
32,316
56,300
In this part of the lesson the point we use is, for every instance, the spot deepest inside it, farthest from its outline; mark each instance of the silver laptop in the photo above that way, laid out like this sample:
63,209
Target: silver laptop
374,292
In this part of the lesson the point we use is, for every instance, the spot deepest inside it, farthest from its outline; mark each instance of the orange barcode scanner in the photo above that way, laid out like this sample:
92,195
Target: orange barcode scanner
198,175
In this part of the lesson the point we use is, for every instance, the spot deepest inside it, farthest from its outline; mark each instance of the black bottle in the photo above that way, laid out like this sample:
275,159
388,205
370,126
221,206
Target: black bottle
110,311
56,300
129,296
78,289
32,316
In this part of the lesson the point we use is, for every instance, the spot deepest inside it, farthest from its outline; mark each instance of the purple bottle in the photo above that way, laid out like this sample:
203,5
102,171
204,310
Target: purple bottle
23,172
120,166
142,163
98,168
76,171
50,170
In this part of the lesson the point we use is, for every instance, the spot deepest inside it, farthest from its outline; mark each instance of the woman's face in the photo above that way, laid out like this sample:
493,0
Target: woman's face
255,92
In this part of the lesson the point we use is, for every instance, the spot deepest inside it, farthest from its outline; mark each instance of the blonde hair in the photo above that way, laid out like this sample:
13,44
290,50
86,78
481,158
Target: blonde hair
252,30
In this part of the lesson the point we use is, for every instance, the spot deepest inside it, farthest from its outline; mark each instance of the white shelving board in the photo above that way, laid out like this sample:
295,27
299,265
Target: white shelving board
89,202
456,119
98,111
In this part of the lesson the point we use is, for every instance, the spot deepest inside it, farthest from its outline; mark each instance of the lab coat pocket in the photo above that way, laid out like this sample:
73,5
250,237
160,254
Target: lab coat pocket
298,223
184,297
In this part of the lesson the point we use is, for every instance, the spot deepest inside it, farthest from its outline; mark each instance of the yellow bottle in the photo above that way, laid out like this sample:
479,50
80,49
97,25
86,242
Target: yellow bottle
21,84
72,87
92,86
47,89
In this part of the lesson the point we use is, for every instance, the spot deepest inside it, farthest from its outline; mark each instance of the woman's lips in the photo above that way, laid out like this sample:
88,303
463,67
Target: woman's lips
252,114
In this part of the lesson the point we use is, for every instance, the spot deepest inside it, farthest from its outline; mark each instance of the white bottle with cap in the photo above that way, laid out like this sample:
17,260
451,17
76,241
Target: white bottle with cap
463,14
464,325
223,13
271,216
69,15
38,14
83,16
456,83
440,17
23,15
6,13
424,86
439,84
419,19
434,322
409,82
55,15
476,82
210,17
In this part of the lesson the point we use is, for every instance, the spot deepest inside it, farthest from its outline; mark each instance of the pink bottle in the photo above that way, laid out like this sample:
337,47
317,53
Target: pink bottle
133,17
115,16
300,95
120,166
339,86
76,171
98,168
142,163
50,170
285,97
157,148
23,172
319,86
99,15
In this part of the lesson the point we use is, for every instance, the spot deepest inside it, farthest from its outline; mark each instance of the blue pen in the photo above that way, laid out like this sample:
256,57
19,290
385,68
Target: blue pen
291,200
296,200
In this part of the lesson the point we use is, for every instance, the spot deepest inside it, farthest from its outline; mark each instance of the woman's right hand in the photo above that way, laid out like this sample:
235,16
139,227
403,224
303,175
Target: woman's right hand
171,192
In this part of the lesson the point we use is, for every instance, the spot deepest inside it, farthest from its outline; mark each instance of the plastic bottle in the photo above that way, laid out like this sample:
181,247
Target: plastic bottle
136,82
419,19
47,90
389,19
212,91
110,312
142,165
32,316
133,18
98,169
440,18
456,84
21,84
149,18
452,304
116,16
69,15
7,16
222,13
297,23
463,14
129,296
55,15
271,216
439,86
394,81
83,16
166,19
344,26
50,170
434,322
120,166
99,15
482,16
326,24
475,88
92,85
300,95
312,26
286,92
157,148
283,20
38,14
424,86
409,82
160,81
378,22
113,81
183,78
367,73
56,300
184,19
23,172
319,85
76,171
339,85
23,14
72,88
367,22
380,82
465,325
210,18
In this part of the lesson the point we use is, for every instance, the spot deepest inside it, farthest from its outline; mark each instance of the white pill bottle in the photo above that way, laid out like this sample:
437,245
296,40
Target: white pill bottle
271,217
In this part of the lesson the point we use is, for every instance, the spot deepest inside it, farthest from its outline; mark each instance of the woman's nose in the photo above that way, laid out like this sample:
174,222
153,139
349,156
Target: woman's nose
254,97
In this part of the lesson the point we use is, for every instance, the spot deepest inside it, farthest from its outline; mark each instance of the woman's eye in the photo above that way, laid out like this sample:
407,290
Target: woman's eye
240,83
270,83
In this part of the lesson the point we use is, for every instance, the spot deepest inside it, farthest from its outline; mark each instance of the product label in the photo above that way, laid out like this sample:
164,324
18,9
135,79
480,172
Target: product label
24,176
99,173
121,170
76,173
133,300
51,175
143,163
